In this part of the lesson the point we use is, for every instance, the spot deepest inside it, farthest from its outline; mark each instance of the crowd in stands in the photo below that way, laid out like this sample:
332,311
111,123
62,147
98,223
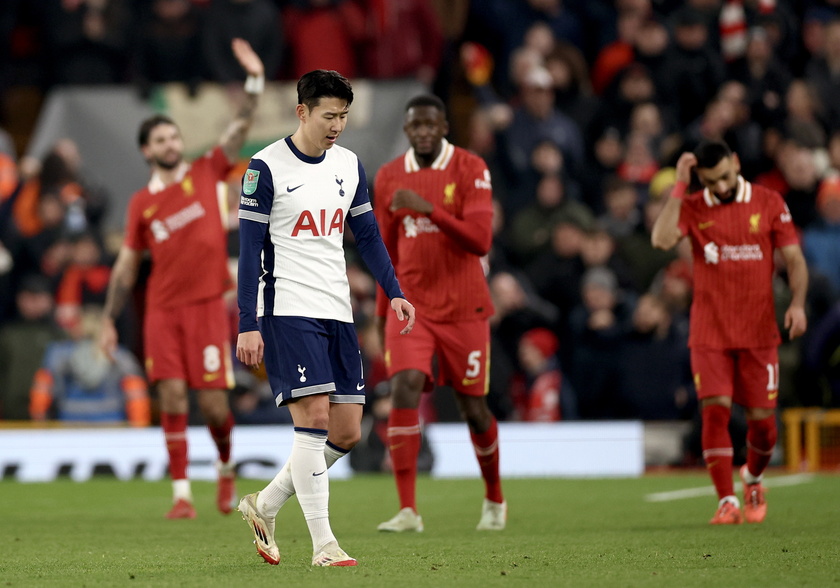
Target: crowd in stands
580,109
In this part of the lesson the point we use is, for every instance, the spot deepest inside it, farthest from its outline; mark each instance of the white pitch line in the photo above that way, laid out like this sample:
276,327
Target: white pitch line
793,480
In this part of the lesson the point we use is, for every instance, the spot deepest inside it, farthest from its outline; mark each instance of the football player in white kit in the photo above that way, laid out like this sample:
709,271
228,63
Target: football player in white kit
294,302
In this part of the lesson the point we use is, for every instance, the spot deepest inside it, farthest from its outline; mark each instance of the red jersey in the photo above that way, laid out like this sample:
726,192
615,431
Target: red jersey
181,226
445,281
733,245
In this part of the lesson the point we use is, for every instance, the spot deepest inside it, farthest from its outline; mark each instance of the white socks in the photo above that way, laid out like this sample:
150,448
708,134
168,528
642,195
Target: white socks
749,478
733,499
312,483
181,490
272,498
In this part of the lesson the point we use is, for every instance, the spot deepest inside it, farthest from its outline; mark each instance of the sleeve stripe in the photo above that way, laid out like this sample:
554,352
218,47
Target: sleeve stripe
254,216
361,209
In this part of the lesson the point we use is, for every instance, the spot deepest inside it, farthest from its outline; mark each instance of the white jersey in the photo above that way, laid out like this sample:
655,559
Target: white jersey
305,202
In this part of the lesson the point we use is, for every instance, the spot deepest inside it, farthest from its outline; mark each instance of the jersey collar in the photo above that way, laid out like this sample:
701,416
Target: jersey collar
442,160
742,194
156,183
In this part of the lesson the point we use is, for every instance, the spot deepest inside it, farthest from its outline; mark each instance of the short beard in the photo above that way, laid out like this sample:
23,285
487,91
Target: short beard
166,165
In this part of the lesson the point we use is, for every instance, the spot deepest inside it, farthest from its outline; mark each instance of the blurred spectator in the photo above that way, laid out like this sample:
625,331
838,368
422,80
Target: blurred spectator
765,77
796,177
804,107
573,94
556,273
535,120
631,86
546,395
530,230
87,40
622,216
696,71
819,358
823,71
642,259
78,383
504,24
405,40
598,249
23,342
640,163
256,21
84,281
821,239
168,48
675,282
324,34
620,53
651,50
517,310
598,327
655,372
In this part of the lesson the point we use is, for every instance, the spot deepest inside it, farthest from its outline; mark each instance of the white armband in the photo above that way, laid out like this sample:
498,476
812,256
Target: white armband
255,84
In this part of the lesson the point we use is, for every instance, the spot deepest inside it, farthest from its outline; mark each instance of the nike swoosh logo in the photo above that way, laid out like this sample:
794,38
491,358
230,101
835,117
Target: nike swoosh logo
360,387
211,377
772,395
469,382
705,225
319,473
289,189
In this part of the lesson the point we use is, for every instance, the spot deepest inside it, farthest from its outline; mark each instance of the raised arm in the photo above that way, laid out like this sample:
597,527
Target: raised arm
122,281
666,232
234,136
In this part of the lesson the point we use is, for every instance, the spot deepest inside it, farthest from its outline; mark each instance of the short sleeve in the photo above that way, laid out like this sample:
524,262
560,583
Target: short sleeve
783,230
257,192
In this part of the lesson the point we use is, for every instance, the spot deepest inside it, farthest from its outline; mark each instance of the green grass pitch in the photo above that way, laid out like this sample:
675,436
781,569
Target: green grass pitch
599,533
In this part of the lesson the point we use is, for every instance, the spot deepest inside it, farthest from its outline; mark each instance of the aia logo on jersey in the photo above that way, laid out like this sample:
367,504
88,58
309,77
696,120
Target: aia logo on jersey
319,227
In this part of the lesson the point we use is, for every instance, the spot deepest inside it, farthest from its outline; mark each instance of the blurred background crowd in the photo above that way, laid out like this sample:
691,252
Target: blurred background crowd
580,110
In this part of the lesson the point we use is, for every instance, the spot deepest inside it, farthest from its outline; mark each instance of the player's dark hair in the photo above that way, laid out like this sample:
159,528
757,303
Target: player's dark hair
426,100
323,83
710,153
150,123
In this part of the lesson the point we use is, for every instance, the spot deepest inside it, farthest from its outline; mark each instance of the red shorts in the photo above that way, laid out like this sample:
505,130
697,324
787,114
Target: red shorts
189,343
462,350
750,377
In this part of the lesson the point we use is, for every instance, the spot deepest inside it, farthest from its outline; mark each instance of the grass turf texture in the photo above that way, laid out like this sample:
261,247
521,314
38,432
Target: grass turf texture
599,533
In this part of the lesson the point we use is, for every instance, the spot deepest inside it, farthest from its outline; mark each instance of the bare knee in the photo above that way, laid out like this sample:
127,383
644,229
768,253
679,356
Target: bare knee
173,396
406,388
214,406
475,412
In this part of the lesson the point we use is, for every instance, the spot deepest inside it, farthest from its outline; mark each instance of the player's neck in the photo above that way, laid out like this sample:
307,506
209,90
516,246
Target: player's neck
306,147
168,176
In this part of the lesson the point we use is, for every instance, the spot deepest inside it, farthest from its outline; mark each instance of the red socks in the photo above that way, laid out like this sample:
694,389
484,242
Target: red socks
175,434
221,437
404,447
717,448
486,446
761,438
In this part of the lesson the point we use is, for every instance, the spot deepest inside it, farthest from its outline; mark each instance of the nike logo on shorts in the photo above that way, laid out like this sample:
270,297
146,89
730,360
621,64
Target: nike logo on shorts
319,473
290,189
360,387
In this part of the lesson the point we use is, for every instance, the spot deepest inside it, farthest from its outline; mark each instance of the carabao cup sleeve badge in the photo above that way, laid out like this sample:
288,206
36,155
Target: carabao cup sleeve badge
250,181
